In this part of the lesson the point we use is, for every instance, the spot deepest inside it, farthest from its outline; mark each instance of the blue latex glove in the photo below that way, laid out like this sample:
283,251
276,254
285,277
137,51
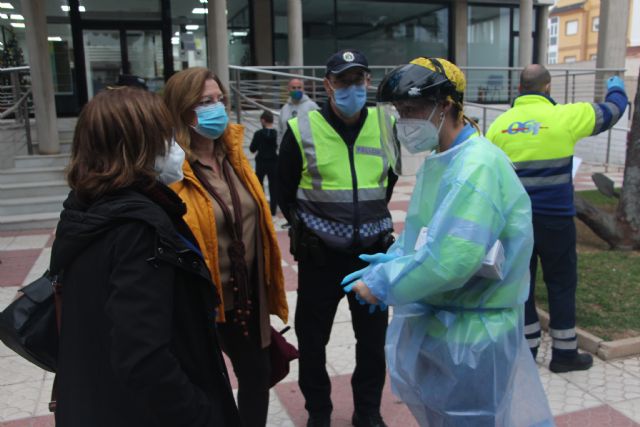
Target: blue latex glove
615,82
372,307
371,259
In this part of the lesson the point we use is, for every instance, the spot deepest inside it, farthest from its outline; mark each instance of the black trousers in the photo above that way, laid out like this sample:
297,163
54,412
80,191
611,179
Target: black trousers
555,246
319,293
268,169
252,367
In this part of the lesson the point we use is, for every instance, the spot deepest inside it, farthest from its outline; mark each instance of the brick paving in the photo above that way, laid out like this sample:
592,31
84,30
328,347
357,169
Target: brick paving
606,395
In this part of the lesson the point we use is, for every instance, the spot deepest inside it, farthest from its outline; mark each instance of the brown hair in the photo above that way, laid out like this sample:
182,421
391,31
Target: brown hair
117,138
267,116
182,94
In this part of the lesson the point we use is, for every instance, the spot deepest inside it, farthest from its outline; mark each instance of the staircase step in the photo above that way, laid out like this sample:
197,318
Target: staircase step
41,160
31,205
65,146
22,175
33,189
29,221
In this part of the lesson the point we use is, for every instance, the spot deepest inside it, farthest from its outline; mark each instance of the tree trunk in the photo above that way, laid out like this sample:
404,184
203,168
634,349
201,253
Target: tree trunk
622,229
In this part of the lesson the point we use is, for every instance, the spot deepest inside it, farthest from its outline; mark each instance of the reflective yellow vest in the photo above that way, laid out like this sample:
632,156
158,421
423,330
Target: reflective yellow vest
342,192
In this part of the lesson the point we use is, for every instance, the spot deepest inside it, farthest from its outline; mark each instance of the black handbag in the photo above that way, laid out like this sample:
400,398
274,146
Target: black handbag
29,325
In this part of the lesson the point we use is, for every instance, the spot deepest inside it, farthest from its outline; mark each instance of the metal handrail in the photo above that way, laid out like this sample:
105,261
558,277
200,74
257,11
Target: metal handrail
256,103
12,69
20,108
15,106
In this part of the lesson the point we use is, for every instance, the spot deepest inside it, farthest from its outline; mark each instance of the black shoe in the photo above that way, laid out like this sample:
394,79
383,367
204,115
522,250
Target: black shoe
367,420
319,420
579,362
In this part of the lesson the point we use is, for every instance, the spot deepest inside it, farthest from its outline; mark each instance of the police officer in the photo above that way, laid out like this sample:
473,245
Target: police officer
538,135
335,183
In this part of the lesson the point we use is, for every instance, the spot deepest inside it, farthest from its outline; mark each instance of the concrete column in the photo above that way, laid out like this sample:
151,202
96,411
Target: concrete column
526,41
262,32
218,40
294,12
41,76
461,31
612,40
543,34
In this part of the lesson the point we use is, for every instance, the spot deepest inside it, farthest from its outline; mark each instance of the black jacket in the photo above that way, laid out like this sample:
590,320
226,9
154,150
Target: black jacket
265,142
138,344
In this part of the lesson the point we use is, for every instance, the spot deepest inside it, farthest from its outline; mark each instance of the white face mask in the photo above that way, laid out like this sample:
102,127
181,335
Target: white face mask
169,166
418,135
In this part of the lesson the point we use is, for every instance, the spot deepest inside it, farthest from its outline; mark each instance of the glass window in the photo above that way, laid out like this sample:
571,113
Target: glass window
392,33
553,57
488,46
595,24
569,59
388,32
188,34
139,10
571,28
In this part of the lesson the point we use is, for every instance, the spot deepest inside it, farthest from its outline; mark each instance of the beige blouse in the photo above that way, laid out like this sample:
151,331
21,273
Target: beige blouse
250,237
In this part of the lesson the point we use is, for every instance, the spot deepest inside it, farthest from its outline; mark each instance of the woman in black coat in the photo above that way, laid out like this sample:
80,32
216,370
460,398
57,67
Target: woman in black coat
138,344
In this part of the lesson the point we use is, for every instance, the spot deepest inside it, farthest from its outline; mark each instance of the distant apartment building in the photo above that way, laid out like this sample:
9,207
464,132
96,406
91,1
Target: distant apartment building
573,30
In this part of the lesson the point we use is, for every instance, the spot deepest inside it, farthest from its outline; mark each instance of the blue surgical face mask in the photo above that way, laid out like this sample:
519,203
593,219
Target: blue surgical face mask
296,95
350,100
212,120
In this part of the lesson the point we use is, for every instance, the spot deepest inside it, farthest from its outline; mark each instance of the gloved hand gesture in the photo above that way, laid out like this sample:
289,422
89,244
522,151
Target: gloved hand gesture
615,82
364,296
371,259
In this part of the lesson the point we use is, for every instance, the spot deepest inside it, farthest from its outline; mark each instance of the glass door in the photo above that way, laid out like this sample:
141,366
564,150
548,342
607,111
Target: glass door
103,59
112,52
144,57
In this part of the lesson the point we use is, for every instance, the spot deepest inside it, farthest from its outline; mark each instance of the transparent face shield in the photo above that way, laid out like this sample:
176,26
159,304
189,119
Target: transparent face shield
387,117
408,124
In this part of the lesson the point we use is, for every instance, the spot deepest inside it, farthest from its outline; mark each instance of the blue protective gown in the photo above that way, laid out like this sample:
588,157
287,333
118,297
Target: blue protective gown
455,347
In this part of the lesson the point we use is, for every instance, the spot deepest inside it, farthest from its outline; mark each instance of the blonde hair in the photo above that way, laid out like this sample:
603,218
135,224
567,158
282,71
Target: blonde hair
456,77
182,94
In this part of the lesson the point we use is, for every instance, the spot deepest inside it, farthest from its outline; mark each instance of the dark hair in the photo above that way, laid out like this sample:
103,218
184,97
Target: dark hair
267,116
534,78
117,138
131,80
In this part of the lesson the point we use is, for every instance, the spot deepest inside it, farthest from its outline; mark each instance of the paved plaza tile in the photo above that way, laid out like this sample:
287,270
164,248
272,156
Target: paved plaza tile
606,395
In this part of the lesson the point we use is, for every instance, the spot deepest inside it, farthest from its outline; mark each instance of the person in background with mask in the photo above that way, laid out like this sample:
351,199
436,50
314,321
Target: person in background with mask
138,346
455,347
297,103
334,186
231,221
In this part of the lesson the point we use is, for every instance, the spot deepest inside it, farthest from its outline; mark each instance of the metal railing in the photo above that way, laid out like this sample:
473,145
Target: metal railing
265,88
15,100
494,85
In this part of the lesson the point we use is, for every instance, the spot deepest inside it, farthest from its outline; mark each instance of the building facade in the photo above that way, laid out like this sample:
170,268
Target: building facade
92,42
574,26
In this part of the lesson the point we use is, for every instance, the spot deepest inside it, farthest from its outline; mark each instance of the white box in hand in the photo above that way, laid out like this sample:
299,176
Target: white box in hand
491,265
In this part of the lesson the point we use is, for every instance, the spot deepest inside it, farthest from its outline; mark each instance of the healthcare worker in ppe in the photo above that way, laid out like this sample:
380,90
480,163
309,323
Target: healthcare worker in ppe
455,347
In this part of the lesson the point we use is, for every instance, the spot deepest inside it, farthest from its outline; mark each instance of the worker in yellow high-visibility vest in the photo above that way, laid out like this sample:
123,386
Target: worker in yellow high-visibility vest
539,136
